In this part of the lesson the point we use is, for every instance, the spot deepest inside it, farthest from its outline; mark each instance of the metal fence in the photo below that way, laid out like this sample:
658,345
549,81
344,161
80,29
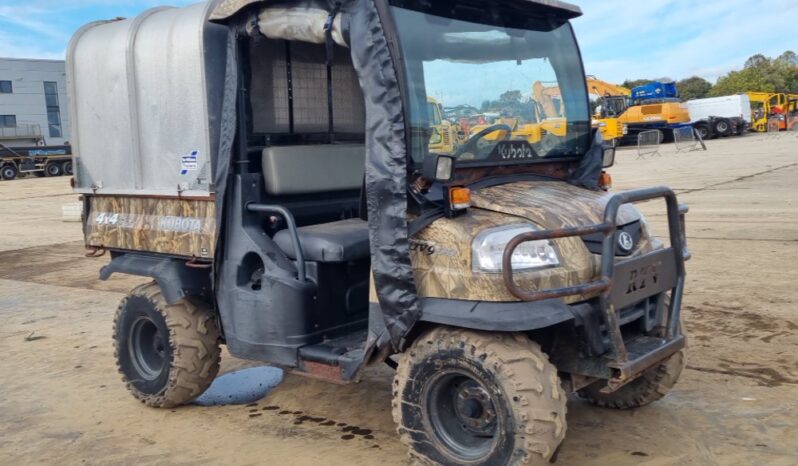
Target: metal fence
23,131
648,143
686,138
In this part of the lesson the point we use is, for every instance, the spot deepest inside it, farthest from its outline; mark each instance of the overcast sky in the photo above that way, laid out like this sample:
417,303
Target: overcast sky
619,38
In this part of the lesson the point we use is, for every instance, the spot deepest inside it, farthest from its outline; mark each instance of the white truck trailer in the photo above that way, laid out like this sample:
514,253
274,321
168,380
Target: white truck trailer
720,116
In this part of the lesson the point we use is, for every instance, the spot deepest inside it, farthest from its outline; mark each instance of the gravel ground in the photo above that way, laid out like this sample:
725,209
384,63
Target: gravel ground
61,400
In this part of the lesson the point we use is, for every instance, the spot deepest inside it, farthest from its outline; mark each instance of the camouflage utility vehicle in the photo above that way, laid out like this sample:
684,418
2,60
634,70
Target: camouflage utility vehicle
268,165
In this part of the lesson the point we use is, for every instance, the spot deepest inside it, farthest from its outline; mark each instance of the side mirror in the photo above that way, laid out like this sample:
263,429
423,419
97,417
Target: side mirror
608,157
438,167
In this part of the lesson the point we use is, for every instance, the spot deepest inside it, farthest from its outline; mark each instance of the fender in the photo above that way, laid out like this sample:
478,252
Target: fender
176,280
496,316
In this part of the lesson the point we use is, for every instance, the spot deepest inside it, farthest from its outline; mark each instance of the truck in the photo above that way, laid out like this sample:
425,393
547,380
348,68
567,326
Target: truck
720,116
24,151
268,167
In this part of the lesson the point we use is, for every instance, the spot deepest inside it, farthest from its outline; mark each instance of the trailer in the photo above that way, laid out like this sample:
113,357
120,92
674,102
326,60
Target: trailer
35,160
713,117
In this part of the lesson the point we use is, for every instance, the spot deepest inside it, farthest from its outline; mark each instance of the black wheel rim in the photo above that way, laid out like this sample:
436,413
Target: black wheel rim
462,414
147,348
52,170
8,173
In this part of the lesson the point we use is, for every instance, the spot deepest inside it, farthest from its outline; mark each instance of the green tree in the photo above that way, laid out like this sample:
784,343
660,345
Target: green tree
693,88
511,97
789,57
761,74
757,61
630,83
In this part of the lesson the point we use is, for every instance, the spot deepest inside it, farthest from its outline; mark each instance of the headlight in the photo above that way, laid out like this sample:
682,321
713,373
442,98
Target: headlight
436,137
488,249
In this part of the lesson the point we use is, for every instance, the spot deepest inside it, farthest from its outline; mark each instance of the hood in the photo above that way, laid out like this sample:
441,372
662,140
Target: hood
550,204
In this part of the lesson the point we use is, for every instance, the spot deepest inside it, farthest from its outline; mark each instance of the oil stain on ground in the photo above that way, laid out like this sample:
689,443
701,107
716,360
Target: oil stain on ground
348,432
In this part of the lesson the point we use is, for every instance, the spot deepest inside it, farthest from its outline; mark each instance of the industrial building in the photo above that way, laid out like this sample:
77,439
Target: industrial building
33,102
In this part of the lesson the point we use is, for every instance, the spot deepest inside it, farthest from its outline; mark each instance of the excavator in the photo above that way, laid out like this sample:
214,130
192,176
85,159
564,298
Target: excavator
549,121
792,113
446,137
654,106
611,128
772,106
546,127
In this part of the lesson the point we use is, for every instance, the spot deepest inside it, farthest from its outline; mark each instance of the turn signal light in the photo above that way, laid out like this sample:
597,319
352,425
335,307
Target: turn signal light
459,198
605,181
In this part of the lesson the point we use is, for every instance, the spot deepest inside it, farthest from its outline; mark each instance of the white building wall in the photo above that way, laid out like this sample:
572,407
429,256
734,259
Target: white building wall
27,101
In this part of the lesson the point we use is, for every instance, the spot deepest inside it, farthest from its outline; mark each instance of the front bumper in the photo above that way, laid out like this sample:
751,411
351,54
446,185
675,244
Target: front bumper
620,285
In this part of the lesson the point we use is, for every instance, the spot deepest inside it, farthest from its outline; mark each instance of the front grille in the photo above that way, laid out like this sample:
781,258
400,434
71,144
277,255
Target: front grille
593,242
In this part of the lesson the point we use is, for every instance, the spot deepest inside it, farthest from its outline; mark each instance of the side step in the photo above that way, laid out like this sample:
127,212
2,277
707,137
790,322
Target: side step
336,360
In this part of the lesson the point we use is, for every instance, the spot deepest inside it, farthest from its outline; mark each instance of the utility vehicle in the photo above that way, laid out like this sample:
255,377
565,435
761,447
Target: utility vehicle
268,165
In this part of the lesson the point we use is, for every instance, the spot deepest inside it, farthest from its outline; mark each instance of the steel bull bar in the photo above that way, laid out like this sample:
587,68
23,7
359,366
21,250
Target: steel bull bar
623,283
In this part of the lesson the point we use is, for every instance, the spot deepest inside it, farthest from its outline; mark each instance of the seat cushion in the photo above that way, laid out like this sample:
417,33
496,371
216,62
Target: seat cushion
313,168
341,241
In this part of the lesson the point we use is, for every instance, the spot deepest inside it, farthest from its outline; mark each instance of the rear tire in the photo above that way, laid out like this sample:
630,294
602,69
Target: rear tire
52,169
8,172
722,127
703,131
167,354
646,389
66,168
466,397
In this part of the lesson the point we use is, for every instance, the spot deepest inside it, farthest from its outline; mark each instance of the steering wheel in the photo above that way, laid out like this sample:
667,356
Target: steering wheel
470,147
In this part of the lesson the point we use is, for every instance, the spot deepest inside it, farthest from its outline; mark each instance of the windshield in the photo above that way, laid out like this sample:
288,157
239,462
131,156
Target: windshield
513,91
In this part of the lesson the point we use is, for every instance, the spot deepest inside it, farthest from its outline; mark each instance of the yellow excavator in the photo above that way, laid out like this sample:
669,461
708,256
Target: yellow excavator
611,128
548,124
446,137
767,106
653,106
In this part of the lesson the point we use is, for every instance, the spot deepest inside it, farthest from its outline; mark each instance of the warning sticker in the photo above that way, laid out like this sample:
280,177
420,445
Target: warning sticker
189,162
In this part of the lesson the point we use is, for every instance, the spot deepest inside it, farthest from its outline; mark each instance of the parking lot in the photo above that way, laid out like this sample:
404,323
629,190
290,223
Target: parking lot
61,400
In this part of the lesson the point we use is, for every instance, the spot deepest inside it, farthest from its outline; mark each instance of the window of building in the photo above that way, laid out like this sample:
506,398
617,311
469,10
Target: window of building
6,87
53,108
8,121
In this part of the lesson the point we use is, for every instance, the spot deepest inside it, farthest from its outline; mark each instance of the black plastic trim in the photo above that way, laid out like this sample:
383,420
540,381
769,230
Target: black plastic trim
496,316
173,276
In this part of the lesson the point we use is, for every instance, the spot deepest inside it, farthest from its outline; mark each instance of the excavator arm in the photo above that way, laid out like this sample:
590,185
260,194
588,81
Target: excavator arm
604,89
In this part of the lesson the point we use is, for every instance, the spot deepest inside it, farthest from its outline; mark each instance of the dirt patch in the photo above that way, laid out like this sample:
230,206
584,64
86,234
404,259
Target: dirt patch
61,400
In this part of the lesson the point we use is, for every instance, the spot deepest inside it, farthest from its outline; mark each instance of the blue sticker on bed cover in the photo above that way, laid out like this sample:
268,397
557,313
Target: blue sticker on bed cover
189,162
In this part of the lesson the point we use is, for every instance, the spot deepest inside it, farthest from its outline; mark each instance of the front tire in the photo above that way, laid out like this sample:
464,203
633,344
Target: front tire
466,397
646,389
168,355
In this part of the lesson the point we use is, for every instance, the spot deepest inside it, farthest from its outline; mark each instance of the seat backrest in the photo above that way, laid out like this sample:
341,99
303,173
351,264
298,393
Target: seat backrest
313,168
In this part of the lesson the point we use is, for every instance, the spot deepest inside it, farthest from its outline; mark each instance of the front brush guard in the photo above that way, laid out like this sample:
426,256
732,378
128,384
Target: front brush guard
624,283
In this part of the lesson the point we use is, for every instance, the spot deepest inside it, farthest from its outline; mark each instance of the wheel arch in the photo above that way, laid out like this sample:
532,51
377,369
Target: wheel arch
176,280
507,317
